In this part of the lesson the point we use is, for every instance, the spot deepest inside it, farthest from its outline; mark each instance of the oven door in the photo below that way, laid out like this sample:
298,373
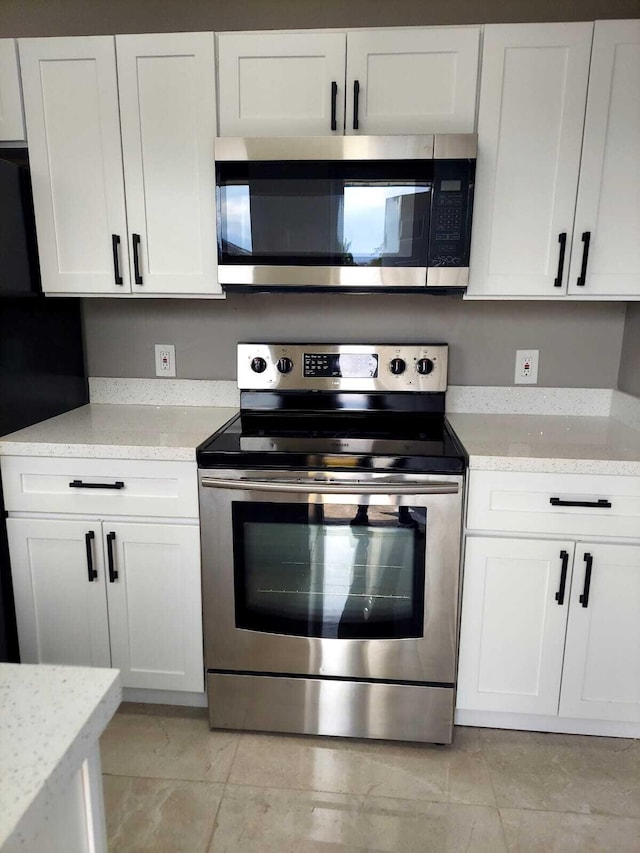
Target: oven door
313,575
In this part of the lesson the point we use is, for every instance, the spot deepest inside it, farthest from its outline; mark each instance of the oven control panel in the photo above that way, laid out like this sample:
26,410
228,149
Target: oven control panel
342,367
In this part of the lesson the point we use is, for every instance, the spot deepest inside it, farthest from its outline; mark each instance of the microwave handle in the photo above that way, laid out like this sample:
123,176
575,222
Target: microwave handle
353,488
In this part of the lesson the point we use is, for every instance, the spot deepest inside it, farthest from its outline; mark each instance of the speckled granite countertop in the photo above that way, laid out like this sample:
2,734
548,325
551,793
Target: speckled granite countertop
548,443
50,718
107,431
500,442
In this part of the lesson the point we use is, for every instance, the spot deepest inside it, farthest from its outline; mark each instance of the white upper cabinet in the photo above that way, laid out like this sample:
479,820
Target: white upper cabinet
71,107
11,120
281,84
608,209
306,84
167,112
530,119
412,80
146,123
537,152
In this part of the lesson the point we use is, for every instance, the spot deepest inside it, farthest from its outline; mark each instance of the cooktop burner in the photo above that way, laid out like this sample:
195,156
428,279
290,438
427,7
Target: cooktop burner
298,411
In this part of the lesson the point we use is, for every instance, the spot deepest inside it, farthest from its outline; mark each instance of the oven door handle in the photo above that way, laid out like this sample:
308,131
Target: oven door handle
334,488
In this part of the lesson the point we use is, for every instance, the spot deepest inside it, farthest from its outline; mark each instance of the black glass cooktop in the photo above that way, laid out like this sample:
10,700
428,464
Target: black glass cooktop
393,441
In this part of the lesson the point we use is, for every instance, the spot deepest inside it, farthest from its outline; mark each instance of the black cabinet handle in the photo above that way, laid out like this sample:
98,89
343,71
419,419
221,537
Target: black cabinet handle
334,98
137,277
562,239
90,570
115,242
78,484
584,598
586,239
564,556
113,572
356,103
599,504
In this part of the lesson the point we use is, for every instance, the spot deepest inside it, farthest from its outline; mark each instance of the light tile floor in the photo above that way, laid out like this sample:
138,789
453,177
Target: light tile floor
171,784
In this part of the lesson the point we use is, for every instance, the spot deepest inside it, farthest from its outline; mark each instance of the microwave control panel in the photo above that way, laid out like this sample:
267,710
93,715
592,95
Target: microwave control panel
342,367
451,207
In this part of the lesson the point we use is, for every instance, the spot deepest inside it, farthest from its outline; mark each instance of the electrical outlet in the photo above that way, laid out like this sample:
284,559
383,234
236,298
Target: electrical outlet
526,367
165,360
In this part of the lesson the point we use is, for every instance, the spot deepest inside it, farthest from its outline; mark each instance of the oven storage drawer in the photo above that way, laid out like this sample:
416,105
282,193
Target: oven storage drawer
100,486
563,504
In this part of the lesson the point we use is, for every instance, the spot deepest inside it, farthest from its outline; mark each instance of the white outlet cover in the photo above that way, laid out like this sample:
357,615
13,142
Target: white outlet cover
165,360
526,372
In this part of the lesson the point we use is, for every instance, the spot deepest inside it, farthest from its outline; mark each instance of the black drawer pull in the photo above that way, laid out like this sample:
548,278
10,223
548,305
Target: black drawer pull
137,275
356,103
115,242
562,239
113,572
334,98
584,598
582,278
564,556
78,484
90,570
599,504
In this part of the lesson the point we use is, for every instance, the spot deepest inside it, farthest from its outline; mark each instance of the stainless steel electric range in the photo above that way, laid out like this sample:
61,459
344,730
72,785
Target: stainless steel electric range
331,512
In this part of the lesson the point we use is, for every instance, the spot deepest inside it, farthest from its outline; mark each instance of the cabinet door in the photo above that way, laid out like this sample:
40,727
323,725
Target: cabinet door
71,109
61,614
412,80
608,208
168,114
513,624
281,84
601,677
11,121
530,120
155,605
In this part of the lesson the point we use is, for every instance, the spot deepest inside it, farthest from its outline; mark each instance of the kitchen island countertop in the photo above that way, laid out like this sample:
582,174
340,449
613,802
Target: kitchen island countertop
50,719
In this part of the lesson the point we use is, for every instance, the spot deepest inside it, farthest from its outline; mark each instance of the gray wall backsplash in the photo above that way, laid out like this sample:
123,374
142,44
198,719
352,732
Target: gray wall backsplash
84,17
629,376
580,344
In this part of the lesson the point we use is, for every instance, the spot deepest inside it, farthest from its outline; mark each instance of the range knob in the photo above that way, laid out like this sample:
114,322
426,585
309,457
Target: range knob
397,366
284,365
425,366
258,364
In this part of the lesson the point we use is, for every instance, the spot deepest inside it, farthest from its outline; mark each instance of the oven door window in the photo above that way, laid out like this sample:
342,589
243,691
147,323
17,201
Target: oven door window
329,570
324,213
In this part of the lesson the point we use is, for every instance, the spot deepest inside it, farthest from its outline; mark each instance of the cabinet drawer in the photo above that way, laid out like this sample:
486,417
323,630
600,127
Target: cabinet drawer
100,486
554,503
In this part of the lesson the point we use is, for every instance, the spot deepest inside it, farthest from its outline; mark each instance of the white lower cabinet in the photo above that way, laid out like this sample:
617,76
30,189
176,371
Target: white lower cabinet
513,625
102,593
601,677
533,645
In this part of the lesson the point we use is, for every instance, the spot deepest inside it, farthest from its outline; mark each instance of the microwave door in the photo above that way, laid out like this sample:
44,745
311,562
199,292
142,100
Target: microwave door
296,220
323,225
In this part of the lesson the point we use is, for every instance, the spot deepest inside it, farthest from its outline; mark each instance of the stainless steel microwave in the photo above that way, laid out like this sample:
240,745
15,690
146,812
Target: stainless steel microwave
351,213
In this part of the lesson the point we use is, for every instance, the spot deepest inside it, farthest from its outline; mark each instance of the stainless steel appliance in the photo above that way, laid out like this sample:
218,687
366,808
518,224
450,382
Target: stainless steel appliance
331,521
356,213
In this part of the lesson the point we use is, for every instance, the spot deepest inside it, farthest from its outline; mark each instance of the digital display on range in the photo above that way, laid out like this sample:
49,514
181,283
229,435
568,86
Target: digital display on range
344,365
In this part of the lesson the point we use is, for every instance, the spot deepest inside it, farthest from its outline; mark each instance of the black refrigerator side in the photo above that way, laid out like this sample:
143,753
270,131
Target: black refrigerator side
42,368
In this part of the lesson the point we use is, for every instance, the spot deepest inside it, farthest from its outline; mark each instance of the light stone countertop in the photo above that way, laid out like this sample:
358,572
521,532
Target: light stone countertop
548,443
50,718
110,431
494,442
